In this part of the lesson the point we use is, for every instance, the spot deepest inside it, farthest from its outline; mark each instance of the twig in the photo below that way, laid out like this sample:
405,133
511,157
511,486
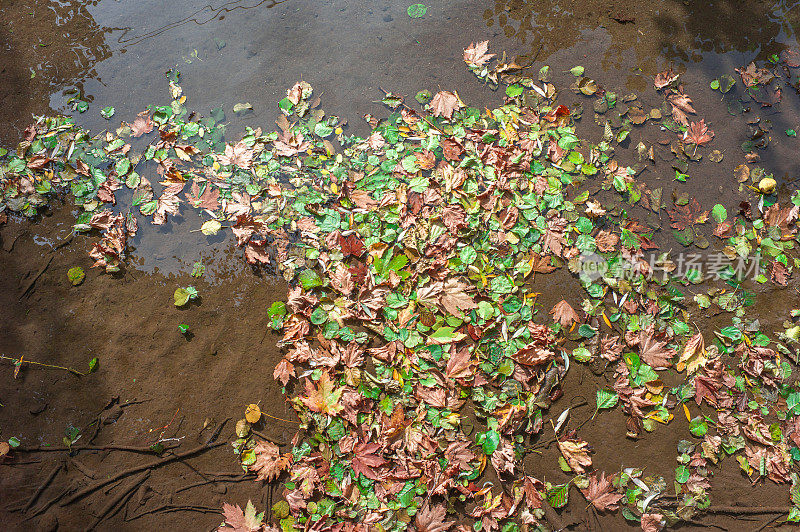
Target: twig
36,278
42,487
122,495
268,438
177,508
738,510
128,448
240,478
21,361
43,508
122,474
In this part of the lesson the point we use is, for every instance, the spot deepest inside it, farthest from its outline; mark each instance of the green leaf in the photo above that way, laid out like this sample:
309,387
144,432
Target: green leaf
719,213
13,442
558,496
698,426
423,96
241,107
76,275
107,112
322,129
714,84
93,364
183,328
512,91
576,71
606,399
682,474
791,133
586,330
417,10
309,279
490,442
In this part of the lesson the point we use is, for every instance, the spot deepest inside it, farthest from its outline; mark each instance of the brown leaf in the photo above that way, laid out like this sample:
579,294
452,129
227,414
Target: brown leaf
432,519
475,54
654,351
663,79
454,299
237,520
142,124
652,522
342,279
452,149
209,199
284,371
779,273
444,103
601,493
351,245
606,241
683,216
576,453
459,365
269,462
366,460
323,398
698,133
238,154
564,314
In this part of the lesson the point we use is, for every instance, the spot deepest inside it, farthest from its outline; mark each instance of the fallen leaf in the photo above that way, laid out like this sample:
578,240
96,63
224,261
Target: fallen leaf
444,103
564,314
323,398
237,520
601,493
432,519
475,54
576,453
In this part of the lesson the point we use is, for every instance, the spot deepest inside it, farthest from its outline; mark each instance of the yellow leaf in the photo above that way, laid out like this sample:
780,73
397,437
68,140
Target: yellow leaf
686,411
253,413
605,319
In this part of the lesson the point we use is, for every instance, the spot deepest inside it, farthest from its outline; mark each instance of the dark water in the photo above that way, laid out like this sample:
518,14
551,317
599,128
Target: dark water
115,52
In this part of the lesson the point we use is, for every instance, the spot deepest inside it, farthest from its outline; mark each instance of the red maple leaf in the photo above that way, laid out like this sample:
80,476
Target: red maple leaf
351,245
269,462
698,133
684,216
207,200
601,493
366,460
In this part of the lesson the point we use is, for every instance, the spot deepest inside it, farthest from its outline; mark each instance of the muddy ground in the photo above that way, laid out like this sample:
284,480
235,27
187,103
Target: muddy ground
155,383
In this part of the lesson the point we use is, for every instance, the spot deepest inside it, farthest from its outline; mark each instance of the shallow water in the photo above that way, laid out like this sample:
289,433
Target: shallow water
116,52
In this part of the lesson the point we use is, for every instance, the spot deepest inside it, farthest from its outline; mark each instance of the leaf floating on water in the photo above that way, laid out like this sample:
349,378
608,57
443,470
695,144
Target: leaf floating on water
242,107
76,275
211,227
417,10
253,413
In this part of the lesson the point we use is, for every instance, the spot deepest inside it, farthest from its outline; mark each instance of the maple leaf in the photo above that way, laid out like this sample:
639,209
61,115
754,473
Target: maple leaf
451,149
779,273
284,371
541,263
167,204
694,354
365,460
601,493
207,200
290,144
142,124
705,388
269,461
432,519
256,252
237,520
653,351
342,279
323,398
352,245
576,453
503,457
459,455
564,314
458,367
444,103
652,522
606,241
454,299
454,217
683,216
698,133
681,105
475,54
663,79
238,154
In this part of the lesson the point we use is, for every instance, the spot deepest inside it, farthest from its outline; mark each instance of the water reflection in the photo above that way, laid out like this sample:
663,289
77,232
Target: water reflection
45,45
673,30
